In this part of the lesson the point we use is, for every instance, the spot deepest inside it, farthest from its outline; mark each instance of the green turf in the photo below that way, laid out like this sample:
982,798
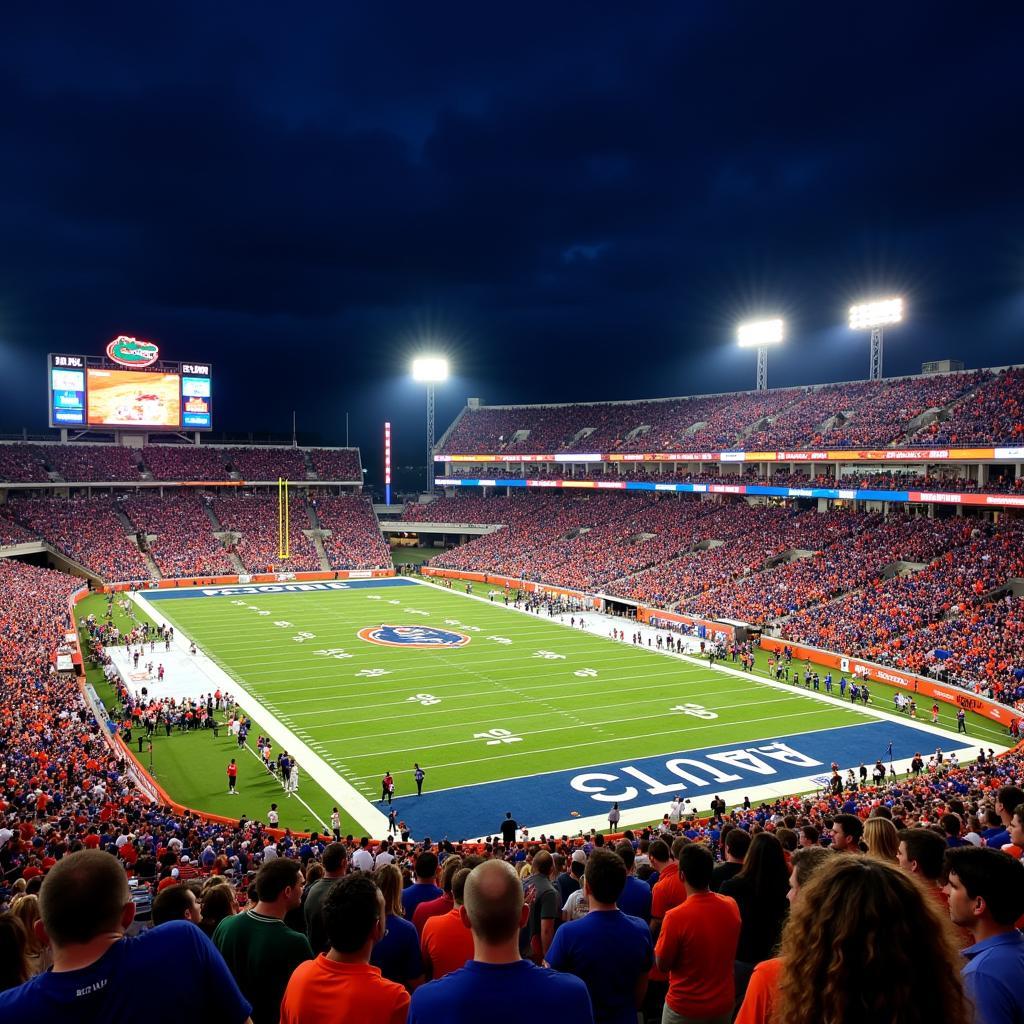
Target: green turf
190,766
621,705
599,701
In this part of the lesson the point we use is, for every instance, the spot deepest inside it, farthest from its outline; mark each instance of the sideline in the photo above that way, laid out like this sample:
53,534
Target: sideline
347,797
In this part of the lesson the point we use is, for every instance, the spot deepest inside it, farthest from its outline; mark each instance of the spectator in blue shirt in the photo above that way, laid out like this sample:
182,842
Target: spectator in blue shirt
425,887
636,896
86,908
986,896
611,951
497,979
1007,799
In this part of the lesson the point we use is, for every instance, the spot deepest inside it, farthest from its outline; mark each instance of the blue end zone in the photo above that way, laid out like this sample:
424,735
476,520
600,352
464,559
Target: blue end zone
471,811
255,589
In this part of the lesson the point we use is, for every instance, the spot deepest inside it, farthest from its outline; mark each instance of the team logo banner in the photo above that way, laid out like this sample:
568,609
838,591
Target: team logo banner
423,637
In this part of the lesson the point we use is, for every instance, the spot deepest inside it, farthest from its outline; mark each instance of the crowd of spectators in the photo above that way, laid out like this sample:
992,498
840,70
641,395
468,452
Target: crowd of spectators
336,463
185,462
355,540
922,621
67,805
87,463
180,533
267,463
87,530
865,414
994,414
859,414
254,517
844,565
12,532
23,463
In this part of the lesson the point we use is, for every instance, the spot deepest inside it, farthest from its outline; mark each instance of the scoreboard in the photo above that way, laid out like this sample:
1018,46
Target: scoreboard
129,388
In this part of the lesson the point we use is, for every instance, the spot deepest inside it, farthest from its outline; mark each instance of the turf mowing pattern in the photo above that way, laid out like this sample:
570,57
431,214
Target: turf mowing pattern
525,696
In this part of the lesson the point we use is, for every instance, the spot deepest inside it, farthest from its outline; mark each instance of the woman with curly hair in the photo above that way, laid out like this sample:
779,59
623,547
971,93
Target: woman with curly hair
865,944
397,954
882,840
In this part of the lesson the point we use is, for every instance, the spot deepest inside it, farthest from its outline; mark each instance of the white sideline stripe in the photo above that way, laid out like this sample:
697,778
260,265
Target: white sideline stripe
589,743
544,711
348,798
316,817
524,695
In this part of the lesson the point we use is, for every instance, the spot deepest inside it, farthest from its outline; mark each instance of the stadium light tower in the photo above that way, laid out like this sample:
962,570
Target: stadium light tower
430,370
874,316
760,334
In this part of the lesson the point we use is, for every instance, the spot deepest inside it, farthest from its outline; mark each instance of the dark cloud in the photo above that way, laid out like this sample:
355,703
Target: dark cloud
576,203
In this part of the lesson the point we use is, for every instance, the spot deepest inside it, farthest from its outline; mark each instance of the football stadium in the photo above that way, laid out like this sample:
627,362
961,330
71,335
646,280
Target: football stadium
706,706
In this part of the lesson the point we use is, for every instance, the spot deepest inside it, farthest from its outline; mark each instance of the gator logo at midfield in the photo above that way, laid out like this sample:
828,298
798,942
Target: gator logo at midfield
131,352
422,637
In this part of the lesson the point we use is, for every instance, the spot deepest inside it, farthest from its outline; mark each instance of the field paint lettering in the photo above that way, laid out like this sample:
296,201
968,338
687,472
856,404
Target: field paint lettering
716,773
283,624
655,788
333,652
424,698
549,655
373,673
696,710
495,737
584,784
744,759
787,755
373,597
262,613
302,636
586,673
500,639
415,611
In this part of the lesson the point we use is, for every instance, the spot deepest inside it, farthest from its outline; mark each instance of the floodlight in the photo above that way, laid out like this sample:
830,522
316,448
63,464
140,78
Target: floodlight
759,333
430,369
868,315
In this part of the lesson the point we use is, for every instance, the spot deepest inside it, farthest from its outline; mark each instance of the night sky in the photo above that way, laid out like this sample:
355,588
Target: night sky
571,201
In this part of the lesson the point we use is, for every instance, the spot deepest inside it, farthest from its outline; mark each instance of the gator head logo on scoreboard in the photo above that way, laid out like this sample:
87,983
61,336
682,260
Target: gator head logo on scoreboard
421,637
132,352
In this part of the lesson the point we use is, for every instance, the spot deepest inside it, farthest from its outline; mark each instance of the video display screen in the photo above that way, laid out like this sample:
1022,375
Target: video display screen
67,390
128,398
195,402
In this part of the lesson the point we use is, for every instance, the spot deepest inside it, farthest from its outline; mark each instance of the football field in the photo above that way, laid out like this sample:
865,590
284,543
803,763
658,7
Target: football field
507,710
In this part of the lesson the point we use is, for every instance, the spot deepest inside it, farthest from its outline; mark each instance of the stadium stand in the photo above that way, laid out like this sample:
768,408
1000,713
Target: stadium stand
94,462
267,463
994,414
856,414
355,541
184,462
336,463
87,530
23,463
254,517
183,544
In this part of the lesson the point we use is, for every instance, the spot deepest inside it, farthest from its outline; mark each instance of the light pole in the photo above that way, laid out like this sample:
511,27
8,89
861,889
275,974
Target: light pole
760,334
430,370
874,316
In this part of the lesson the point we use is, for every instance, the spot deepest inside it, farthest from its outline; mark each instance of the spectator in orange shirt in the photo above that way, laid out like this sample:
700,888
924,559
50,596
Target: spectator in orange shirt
697,946
447,943
443,904
340,985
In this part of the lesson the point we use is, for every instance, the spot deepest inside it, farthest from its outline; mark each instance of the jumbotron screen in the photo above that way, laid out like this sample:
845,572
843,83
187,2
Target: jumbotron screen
88,392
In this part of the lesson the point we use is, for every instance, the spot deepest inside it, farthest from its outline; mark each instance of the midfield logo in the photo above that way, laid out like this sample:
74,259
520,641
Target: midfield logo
421,637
